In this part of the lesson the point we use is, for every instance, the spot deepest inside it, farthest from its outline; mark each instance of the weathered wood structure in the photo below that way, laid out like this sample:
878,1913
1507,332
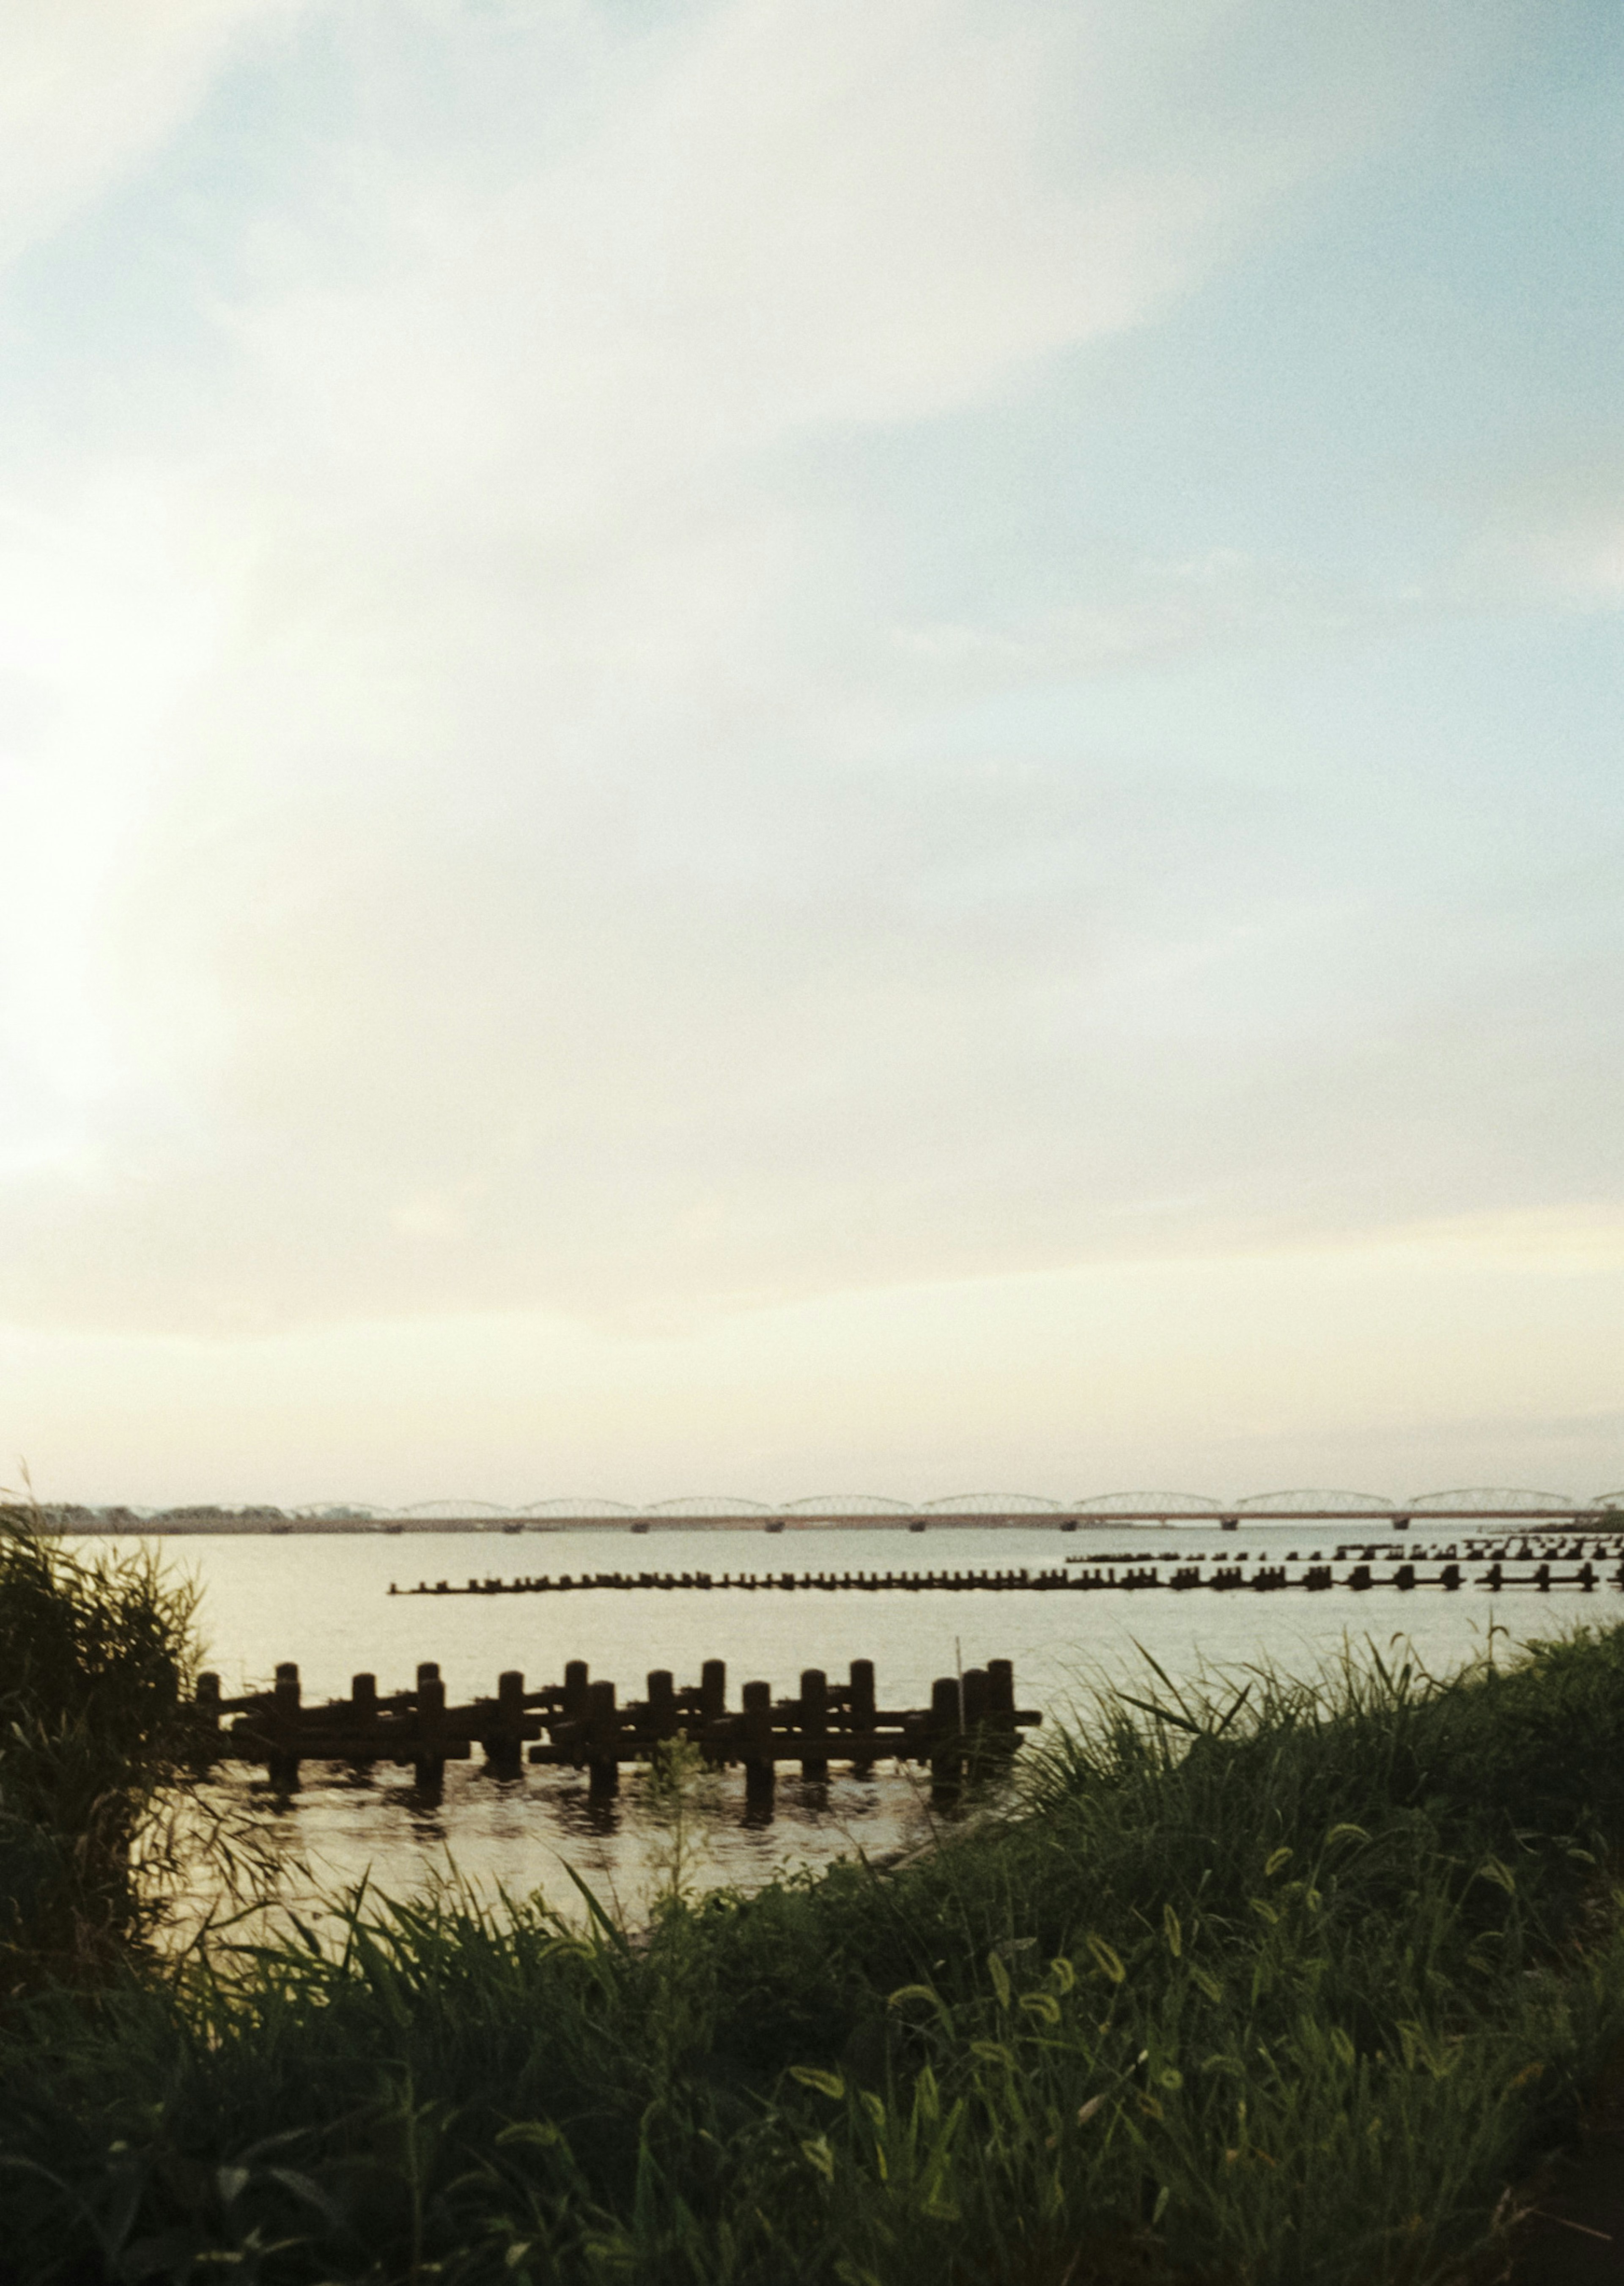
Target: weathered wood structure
972,1722
1411,1568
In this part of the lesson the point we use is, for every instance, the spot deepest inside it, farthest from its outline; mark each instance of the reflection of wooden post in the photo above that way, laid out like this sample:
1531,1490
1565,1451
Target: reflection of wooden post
283,1765
603,1737
757,1756
429,1765
504,1744
813,1721
860,1706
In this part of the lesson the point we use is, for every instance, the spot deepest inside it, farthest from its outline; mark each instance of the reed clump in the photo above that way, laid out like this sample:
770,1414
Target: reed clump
1271,1981
96,1667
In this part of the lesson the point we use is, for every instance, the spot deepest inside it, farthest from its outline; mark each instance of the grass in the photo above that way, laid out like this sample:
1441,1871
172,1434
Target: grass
95,1667
1274,1981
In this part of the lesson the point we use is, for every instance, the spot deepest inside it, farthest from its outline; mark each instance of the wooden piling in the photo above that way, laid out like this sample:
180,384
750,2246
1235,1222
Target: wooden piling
504,1739
860,1706
282,1763
584,1727
662,1703
946,1744
974,1696
603,1764
428,1762
206,1718
813,1721
363,1716
755,1729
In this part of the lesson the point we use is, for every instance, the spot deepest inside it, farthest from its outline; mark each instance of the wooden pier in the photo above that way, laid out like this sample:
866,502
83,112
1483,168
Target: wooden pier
1583,1566
972,1724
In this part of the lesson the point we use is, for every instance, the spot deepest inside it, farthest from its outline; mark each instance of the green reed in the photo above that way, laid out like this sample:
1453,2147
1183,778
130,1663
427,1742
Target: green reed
95,1665
1266,1979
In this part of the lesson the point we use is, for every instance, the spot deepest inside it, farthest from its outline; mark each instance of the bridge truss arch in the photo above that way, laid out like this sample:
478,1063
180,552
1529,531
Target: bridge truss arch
1157,1503
556,1510
1315,1503
874,1504
992,1504
703,1504
1494,1500
429,1509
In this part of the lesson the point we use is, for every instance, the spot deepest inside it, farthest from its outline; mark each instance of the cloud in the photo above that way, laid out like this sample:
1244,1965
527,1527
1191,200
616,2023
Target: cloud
540,854
1143,611
1552,527
89,89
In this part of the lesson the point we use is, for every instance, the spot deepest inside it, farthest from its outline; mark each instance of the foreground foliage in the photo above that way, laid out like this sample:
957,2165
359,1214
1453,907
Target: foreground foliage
1272,1982
95,1668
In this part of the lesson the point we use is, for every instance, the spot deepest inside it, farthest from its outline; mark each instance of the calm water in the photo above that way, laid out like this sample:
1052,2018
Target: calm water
324,1602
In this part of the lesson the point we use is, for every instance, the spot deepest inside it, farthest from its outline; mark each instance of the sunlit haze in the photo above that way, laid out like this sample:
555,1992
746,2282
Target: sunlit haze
786,747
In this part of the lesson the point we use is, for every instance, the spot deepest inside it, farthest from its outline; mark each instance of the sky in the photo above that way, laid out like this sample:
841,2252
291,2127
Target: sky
769,748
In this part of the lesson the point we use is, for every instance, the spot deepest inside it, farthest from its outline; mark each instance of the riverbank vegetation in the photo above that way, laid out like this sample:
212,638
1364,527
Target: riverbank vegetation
1264,1980
95,1670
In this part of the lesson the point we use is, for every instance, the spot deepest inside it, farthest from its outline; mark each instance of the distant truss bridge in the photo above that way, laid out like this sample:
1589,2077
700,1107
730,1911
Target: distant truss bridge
1373,1513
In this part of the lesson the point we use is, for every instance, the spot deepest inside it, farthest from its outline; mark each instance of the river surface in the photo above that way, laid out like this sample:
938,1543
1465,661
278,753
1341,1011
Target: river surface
324,1600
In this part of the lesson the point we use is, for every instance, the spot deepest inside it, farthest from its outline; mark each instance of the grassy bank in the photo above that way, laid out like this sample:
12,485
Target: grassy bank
1276,1984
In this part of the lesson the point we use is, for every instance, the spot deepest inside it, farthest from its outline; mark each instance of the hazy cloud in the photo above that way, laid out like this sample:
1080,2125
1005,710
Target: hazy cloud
89,89
499,835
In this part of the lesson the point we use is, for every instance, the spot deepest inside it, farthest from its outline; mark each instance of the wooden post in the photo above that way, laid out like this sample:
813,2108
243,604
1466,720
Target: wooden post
363,1714
860,1706
602,1762
944,1735
714,1690
756,1755
206,1718
504,1742
974,1696
662,1703
283,1762
429,1765
1002,1734
813,1719
575,1690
